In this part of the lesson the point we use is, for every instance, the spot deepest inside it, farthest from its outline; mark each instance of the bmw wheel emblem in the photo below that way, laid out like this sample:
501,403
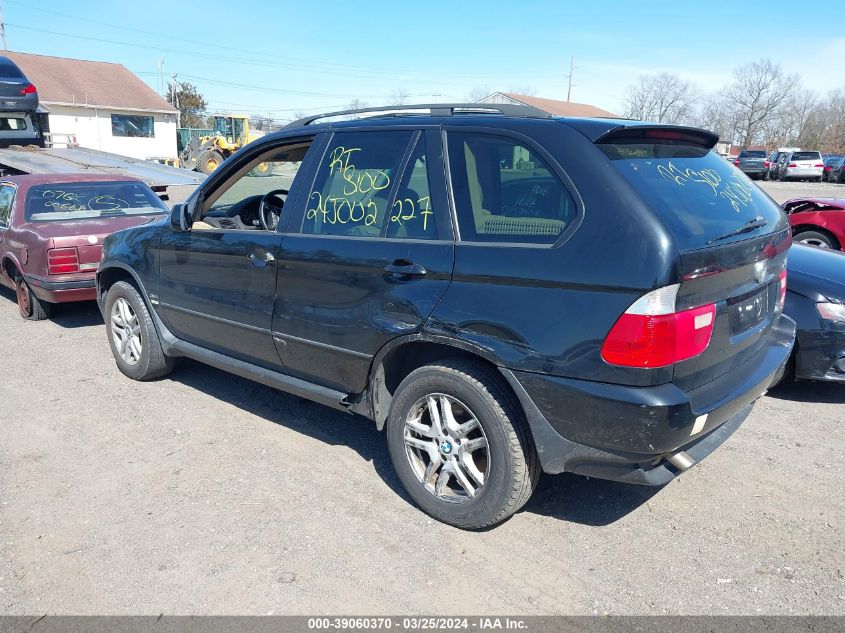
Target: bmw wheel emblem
445,447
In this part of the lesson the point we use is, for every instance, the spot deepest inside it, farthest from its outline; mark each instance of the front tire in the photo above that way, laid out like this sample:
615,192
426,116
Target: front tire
816,238
460,445
132,336
209,161
31,307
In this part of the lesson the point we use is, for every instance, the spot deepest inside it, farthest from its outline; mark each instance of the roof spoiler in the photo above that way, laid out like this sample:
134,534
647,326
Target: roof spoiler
657,133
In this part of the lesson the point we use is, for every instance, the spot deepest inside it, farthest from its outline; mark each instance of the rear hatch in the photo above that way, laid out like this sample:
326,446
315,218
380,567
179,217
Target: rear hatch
805,161
732,239
752,159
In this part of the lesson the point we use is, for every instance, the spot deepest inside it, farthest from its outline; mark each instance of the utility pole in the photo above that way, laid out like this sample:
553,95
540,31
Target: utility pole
3,29
569,76
175,88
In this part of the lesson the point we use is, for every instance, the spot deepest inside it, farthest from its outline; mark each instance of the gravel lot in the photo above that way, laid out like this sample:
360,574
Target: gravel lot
206,493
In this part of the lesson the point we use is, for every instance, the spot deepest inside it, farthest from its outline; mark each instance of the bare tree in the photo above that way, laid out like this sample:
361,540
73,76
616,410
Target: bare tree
478,93
759,90
833,113
663,98
399,97
357,104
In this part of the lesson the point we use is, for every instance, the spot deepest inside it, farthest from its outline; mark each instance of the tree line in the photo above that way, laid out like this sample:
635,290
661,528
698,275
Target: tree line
762,106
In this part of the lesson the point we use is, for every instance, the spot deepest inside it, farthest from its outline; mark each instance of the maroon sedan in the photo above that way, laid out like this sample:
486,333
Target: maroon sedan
817,221
52,228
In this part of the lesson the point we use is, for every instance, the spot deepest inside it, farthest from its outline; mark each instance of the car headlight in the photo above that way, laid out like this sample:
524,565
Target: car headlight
832,311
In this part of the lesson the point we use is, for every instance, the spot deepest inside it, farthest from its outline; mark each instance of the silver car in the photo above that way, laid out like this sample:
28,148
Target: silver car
803,164
17,94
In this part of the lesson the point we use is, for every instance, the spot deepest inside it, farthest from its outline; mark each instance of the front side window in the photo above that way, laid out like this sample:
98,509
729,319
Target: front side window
352,192
259,188
88,200
132,126
505,192
7,194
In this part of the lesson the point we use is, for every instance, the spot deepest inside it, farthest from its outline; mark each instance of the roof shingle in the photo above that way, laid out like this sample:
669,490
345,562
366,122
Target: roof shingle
561,108
104,84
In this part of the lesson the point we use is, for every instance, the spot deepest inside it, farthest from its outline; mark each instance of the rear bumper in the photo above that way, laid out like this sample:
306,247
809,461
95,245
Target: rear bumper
627,433
83,289
754,171
803,173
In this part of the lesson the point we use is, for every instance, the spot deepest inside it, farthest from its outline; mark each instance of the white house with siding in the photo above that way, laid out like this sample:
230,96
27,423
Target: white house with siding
102,105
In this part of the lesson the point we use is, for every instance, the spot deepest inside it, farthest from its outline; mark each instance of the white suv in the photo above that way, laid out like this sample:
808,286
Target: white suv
803,164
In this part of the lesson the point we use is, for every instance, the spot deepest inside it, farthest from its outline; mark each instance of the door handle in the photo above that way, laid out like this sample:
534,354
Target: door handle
404,268
260,260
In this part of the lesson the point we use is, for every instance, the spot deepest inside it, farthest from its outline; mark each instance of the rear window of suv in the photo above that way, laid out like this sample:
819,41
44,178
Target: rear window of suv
698,195
806,156
752,154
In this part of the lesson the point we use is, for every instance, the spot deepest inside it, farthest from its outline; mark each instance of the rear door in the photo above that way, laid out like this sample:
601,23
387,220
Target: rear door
369,258
732,239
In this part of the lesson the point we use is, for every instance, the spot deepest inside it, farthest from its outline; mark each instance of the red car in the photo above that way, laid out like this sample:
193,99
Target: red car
52,228
817,221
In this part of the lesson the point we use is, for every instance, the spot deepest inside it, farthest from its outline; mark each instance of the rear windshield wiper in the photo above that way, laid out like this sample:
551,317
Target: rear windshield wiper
749,226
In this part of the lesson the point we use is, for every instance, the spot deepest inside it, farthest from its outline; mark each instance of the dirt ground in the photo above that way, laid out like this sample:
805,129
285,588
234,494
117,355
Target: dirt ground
206,493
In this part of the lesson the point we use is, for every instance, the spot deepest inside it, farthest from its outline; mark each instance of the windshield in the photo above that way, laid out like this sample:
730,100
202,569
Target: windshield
698,195
86,200
806,156
752,154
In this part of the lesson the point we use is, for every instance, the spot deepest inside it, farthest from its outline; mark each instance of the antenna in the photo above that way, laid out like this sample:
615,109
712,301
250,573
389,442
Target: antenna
569,77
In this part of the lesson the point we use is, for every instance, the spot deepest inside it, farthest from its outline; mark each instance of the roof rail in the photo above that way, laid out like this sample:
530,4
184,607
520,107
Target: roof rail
435,109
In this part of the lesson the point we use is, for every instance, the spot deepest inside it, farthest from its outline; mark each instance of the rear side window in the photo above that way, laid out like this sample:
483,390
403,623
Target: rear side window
505,192
9,69
7,194
352,192
698,195
806,156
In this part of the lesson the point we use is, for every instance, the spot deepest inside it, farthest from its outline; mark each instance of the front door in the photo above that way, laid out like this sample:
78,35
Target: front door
217,281
373,255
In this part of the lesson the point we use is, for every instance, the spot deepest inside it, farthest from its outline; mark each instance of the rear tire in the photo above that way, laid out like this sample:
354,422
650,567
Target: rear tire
441,463
816,238
132,335
31,307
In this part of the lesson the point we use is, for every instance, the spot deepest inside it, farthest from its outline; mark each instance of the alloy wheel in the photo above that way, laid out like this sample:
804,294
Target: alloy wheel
447,448
126,331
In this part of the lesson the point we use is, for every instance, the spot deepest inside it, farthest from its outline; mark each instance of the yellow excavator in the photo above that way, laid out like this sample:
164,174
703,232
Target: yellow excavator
230,133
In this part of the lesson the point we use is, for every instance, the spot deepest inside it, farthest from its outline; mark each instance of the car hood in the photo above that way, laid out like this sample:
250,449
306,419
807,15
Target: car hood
816,273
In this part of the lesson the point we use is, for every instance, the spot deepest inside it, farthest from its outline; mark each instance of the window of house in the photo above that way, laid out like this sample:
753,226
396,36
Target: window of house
352,192
133,125
505,192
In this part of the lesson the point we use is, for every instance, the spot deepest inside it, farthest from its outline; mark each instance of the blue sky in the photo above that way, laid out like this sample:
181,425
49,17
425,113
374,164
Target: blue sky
264,57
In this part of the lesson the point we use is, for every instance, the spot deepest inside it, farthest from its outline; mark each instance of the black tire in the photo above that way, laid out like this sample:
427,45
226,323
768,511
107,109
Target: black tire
31,307
151,362
765,176
817,238
511,464
207,159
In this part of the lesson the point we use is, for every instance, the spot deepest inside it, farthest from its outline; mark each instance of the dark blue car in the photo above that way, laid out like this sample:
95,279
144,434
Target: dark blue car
501,290
815,300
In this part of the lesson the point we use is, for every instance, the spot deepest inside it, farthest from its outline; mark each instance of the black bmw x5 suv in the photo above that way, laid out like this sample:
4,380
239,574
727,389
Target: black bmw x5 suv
503,291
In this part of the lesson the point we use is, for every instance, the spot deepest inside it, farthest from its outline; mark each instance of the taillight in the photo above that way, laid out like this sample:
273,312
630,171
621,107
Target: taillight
28,90
62,260
736,162
792,165
782,290
819,165
652,334
765,163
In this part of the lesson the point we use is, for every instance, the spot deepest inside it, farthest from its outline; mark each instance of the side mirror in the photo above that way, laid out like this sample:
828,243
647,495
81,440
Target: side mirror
180,217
